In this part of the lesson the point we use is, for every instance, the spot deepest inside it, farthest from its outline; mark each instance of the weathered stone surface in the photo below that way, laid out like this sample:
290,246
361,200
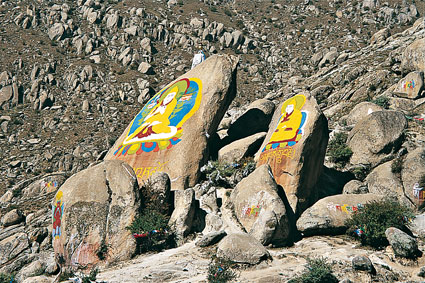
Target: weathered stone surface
362,262
184,210
6,94
355,187
413,170
375,136
382,181
39,279
413,57
211,238
242,248
380,35
159,185
256,118
411,86
56,32
93,207
45,185
239,149
360,111
145,68
295,149
259,208
12,217
402,244
12,246
418,225
170,133
329,214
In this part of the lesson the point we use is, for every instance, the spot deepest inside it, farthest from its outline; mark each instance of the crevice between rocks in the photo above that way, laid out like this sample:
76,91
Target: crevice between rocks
109,206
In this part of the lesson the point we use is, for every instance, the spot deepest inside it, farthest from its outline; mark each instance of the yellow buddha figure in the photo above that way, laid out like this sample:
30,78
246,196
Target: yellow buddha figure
157,122
290,122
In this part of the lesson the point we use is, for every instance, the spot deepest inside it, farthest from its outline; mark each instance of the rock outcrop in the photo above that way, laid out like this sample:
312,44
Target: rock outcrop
329,214
295,148
91,211
171,132
260,209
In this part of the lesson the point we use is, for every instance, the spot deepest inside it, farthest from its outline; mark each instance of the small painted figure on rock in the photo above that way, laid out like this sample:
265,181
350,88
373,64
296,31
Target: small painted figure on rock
57,210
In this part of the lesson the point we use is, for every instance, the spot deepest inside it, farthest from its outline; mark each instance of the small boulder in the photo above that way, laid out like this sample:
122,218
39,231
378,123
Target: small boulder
376,136
362,262
239,149
411,86
380,36
56,32
328,215
242,248
412,172
402,244
13,217
413,57
259,208
145,68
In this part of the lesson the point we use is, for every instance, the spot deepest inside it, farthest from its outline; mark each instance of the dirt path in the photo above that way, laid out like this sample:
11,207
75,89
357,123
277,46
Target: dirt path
189,263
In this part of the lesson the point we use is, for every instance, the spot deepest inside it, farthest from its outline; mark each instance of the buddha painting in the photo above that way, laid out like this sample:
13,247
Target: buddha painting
289,129
159,124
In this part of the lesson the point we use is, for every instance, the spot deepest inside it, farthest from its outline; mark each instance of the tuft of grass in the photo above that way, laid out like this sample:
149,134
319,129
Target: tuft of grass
318,271
220,270
376,217
338,151
382,101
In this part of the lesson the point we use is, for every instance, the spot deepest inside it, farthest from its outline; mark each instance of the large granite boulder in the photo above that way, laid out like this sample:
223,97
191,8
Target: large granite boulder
91,210
411,174
240,149
360,111
383,181
260,209
295,149
411,86
242,248
402,244
413,57
170,133
376,136
328,215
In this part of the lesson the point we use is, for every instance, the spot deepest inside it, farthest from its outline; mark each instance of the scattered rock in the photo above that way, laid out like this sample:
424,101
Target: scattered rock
240,149
211,238
242,248
362,262
13,217
413,57
355,187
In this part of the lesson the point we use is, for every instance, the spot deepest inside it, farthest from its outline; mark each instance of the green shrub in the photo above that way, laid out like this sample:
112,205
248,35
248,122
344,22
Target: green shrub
220,270
91,277
7,278
145,223
360,172
376,217
397,165
102,251
382,101
227,12
318,271
338,151
65,275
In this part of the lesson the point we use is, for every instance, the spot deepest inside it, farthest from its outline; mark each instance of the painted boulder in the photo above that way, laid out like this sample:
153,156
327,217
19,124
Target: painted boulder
90,213
328,215
171,132
259,208
295,148
411,86
412,174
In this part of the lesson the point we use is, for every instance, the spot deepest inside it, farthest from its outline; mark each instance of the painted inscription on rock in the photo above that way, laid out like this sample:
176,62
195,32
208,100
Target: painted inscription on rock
57,212
288,132
159,125
344,207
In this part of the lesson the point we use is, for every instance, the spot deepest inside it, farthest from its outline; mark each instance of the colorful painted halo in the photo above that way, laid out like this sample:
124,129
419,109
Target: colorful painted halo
158,126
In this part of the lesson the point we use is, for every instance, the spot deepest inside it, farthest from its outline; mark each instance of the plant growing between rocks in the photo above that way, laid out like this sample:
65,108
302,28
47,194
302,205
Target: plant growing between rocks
220,270
338,151
370,222
318,271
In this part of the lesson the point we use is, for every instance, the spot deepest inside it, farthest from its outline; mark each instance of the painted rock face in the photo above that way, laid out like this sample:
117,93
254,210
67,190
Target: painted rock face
170,133
295,148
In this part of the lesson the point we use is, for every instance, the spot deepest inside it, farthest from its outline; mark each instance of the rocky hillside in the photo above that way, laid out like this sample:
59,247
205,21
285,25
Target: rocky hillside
75,73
